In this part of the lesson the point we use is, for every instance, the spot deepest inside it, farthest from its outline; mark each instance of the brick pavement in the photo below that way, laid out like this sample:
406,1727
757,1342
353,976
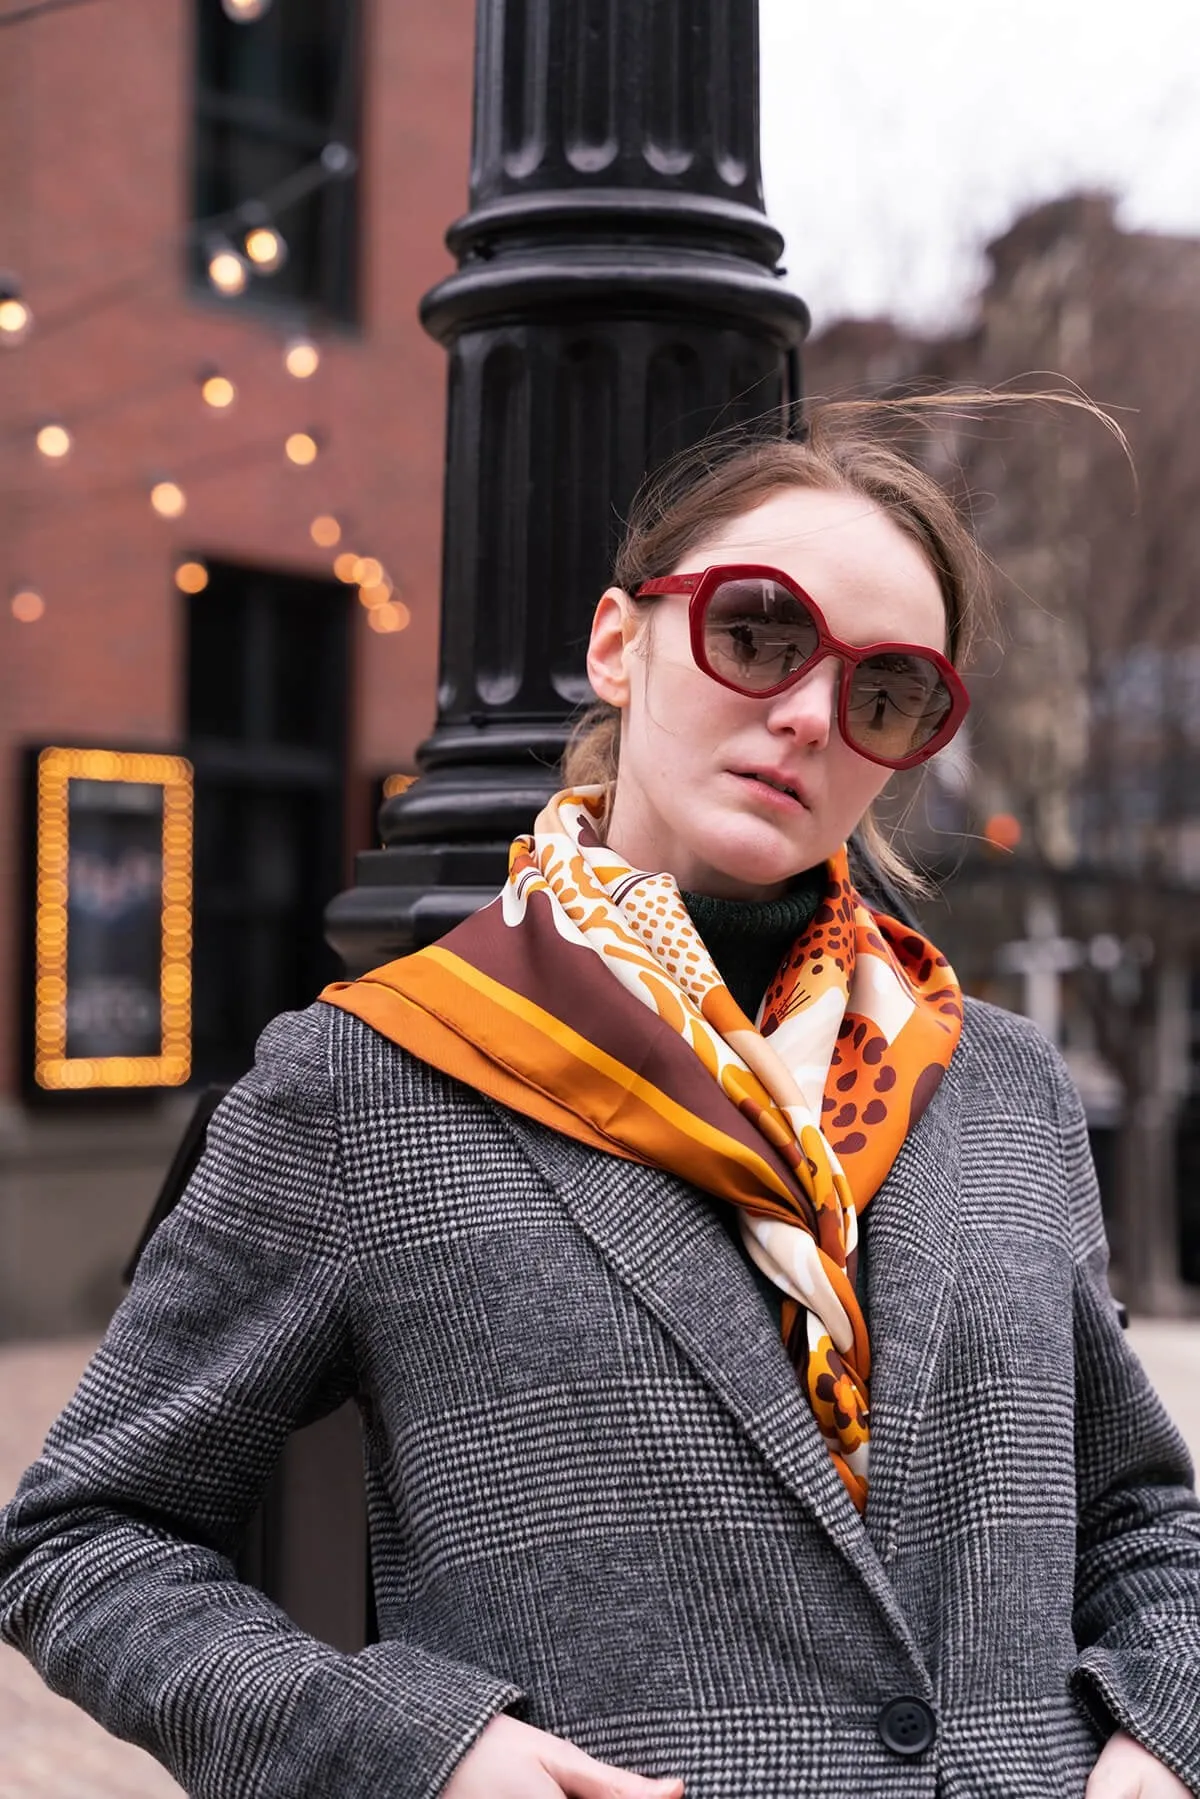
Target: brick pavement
50,1750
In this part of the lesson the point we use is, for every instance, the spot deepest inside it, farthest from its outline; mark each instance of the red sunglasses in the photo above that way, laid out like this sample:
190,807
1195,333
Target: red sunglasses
754,630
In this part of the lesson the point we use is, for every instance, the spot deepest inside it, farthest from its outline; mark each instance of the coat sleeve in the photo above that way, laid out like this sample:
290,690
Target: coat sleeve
116,1571
1137,1568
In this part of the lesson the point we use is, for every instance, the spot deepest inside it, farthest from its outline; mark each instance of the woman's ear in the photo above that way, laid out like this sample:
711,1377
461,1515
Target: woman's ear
612,632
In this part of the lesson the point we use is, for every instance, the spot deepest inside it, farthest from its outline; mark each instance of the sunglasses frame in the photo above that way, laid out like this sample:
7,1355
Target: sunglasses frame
702,586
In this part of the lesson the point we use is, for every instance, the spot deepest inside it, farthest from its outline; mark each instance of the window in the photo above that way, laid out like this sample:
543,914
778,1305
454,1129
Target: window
270,97
267,714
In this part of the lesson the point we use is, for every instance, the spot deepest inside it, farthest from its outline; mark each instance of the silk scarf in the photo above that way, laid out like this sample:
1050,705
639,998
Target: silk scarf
583,997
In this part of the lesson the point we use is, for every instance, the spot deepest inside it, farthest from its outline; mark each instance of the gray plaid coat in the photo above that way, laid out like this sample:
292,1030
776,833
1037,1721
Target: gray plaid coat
598,1495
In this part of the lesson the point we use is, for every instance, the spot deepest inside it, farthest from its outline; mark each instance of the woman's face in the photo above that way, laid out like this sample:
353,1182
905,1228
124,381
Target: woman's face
687,799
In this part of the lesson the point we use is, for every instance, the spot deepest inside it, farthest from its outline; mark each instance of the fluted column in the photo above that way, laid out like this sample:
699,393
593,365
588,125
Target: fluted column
617,298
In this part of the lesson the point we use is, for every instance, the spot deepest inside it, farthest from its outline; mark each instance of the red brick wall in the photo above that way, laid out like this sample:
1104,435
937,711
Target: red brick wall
94,131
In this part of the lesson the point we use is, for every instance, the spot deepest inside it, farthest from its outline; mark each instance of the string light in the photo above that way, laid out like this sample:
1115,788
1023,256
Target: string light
344,567
217,391
226,269
377,594
265,247
15,317
191,577
244,12
168,499
27,606
54,442
301,358
393,615
301,448
262,250
368,571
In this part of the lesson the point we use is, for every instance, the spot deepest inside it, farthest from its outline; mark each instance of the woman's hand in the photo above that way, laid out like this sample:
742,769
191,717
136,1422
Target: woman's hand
1127,1771
512,1760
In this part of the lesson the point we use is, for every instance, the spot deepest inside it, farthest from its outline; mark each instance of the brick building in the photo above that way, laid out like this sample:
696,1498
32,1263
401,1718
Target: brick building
142,144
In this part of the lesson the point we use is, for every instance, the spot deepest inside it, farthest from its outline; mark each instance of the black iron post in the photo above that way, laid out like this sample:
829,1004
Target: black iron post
617,299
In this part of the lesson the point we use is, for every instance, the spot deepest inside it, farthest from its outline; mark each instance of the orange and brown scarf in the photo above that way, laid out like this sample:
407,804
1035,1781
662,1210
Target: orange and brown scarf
584,997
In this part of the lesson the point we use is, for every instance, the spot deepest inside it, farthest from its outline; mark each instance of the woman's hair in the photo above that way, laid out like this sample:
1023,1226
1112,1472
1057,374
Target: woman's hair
846,449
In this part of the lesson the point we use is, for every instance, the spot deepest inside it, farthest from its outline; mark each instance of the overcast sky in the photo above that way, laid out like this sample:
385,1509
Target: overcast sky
899,135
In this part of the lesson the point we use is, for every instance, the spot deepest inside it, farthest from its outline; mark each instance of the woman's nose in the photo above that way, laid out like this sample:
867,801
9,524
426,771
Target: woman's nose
808,710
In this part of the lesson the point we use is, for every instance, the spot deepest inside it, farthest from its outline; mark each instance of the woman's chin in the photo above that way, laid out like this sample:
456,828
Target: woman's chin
754,864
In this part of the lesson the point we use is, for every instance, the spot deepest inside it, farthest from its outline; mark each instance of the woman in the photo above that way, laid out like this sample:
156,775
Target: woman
743,1400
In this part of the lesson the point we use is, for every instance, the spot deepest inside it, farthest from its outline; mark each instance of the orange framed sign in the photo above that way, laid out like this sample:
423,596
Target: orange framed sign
111,937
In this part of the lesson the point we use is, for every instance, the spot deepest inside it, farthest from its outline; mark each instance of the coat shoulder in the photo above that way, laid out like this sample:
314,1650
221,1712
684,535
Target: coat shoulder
326,1055
1007,1058
989,1026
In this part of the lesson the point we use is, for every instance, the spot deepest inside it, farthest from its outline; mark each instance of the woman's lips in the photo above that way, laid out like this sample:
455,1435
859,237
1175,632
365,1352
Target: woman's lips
769,788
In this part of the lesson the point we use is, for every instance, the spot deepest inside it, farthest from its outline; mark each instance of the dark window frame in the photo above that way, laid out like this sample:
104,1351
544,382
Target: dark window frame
321,223
257,764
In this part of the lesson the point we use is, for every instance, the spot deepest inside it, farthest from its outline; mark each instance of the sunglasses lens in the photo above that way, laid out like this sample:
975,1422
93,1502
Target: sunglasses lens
756,634
897,702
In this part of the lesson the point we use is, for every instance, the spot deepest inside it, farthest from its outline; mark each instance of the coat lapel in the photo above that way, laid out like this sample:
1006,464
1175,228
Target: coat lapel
911,1231
665,1243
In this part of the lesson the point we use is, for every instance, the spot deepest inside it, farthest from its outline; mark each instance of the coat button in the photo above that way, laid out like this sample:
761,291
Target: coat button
906,1726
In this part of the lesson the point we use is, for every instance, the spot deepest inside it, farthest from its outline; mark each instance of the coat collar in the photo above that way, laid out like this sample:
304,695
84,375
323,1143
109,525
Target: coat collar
667,1246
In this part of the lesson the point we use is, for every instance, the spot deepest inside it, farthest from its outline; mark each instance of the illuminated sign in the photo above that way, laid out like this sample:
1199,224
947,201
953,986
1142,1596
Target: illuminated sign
112,994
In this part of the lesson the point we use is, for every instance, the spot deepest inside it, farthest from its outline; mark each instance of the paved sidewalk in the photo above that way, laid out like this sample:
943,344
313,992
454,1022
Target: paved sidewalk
50,1750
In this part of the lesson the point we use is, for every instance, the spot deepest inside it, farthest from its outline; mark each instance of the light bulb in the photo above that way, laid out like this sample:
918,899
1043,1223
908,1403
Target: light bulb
301,448
266,249
218,392
191,577
15,318
325,531
301,358
168,499
244,12
54,442
376,595
27,606
368,571
344,567
226,269
393,615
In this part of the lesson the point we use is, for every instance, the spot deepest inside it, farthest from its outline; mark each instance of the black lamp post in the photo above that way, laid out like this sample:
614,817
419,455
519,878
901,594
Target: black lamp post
617,299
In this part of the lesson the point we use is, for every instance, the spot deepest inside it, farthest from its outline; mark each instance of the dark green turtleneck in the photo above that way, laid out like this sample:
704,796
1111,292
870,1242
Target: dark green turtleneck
747,939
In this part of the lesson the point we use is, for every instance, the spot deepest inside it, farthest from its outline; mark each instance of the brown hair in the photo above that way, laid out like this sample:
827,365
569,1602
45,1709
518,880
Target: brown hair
846,449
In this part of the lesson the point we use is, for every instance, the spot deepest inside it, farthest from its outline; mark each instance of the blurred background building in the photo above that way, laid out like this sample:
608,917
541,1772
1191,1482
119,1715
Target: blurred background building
221,443
1064,825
